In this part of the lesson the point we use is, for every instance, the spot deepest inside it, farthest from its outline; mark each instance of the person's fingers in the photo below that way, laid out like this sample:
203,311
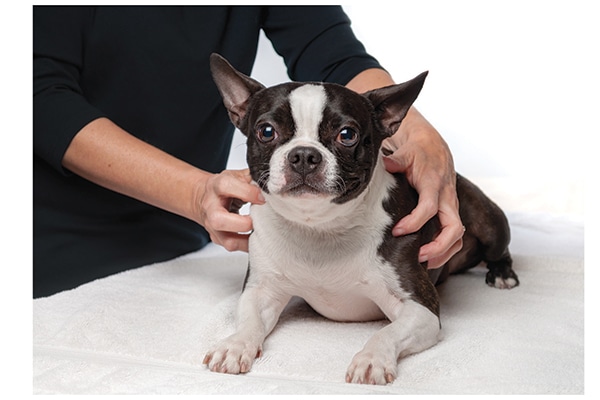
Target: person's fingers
228,229
236,185
440,258
439,261
425,159
232,241
447,243
393,165
219,219
223,196
426,208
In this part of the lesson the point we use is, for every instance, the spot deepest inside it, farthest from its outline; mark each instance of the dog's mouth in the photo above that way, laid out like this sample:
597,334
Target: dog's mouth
304,190
299,186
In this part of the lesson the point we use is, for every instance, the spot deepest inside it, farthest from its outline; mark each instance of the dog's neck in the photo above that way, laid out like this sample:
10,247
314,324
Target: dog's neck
320,213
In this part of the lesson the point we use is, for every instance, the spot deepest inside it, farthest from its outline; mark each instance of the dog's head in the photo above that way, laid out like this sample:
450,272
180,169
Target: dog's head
312,140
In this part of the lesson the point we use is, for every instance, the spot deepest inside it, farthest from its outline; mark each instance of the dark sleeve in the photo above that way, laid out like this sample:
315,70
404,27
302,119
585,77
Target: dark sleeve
60,109
316,43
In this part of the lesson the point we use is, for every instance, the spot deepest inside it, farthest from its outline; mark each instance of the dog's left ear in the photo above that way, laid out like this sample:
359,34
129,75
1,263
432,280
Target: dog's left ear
393,102
235,87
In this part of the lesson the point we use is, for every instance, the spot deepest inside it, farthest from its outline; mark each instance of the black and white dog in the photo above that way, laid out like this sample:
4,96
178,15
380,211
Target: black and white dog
324,233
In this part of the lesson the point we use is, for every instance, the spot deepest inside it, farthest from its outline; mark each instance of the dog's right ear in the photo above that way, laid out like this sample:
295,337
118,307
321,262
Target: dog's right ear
235,87
391,103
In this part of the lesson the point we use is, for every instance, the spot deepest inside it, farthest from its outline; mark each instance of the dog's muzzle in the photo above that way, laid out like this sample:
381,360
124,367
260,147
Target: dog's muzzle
305,172
304,160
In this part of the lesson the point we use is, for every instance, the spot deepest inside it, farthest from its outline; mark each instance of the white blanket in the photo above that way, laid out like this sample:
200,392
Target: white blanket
147,330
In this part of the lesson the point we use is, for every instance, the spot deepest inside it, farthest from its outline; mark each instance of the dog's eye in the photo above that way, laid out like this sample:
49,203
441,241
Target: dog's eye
266,133
347,137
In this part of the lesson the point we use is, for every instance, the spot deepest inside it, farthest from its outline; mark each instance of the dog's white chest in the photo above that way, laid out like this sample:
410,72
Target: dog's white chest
337,271
337,289
344,304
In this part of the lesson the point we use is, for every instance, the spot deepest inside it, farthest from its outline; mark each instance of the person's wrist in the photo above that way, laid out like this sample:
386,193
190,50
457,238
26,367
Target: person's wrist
198,184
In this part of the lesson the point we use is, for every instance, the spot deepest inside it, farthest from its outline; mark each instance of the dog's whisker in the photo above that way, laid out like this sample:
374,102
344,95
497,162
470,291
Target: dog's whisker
263,178
339,184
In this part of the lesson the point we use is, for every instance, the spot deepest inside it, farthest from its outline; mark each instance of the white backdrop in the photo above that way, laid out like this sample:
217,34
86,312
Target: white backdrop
513,85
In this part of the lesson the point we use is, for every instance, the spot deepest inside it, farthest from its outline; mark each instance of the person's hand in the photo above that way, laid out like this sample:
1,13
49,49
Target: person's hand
222,196
424,157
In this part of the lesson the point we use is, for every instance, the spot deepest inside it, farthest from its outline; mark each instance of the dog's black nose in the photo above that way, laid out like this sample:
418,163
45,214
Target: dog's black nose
304,159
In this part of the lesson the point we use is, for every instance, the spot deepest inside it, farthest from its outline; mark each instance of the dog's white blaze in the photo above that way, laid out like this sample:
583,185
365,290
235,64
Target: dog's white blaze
307,104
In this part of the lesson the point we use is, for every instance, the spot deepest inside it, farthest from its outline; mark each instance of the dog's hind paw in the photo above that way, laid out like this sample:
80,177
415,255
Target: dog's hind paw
500,274
507,280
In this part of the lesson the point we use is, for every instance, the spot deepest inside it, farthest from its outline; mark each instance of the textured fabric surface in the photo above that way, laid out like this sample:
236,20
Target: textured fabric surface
147,330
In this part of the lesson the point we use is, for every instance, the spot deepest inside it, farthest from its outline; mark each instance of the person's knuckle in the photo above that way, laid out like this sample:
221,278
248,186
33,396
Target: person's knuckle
215,220
430,207
456,227
227,244
215,238
458,245
221,184
230,244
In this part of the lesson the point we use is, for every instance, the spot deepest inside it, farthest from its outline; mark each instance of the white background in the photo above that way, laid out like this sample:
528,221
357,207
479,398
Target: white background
513,85
513,88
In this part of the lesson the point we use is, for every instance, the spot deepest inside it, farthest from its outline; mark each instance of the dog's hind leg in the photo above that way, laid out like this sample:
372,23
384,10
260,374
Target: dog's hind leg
486,238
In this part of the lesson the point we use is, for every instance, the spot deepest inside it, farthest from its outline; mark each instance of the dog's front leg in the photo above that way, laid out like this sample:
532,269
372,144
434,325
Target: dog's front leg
257,313
414,328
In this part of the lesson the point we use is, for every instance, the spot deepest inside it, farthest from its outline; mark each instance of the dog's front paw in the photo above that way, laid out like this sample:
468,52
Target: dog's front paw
374,369
233,355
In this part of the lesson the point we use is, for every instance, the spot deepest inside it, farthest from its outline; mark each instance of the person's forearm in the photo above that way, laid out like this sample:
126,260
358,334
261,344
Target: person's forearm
108,156
370,79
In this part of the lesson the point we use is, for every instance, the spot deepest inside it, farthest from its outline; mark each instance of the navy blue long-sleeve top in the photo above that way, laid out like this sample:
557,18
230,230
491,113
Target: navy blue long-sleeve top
147,70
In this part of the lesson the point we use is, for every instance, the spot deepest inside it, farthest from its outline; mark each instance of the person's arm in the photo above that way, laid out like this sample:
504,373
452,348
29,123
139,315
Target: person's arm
71,134
108,156
422,154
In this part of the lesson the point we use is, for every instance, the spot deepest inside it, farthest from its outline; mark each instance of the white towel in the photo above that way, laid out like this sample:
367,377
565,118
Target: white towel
147,330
